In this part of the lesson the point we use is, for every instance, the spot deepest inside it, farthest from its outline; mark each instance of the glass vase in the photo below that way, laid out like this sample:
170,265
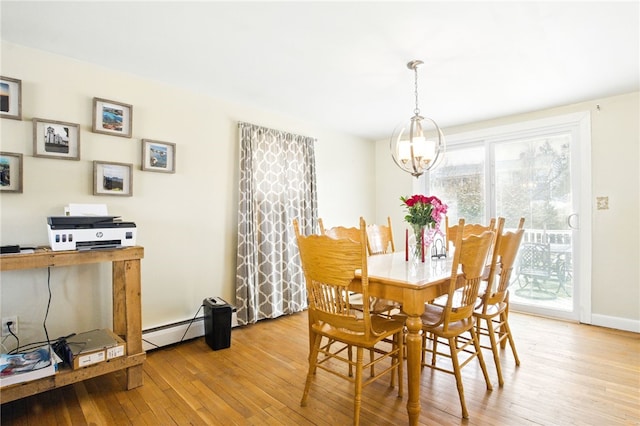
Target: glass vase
419,243
416,245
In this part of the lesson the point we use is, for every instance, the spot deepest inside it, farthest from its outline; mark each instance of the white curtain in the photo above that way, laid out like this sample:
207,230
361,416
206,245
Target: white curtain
277,185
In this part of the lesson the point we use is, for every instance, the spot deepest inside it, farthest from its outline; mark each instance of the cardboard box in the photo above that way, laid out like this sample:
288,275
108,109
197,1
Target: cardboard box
94,347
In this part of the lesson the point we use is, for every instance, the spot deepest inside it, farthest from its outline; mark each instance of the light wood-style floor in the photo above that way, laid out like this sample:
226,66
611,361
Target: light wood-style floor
570,374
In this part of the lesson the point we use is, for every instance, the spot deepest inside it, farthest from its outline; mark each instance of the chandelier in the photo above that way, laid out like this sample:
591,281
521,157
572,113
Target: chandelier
411,148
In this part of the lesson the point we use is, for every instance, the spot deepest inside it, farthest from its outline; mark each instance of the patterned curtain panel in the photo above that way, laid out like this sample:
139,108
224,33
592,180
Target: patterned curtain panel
277,185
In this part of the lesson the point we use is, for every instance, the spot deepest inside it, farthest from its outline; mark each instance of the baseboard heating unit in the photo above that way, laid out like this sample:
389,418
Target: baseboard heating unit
164,335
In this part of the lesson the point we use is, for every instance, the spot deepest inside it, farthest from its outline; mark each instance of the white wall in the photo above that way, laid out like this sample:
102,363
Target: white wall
186,221
615,157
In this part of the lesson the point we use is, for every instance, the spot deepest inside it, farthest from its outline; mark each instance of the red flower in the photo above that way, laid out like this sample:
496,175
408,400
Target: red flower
423,210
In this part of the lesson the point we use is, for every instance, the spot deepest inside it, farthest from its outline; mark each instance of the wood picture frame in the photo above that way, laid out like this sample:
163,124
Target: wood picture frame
112,178
158,156
10,98
112,118
11,172
56,139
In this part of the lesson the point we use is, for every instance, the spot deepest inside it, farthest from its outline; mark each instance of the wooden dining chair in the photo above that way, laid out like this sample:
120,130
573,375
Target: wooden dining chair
380,241
447,323
492,316
467,229
329,267
380,238
377,306
472,229
451,231
338,232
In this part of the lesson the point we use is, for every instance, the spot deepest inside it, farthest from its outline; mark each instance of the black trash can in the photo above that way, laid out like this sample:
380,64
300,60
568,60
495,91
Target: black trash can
217,323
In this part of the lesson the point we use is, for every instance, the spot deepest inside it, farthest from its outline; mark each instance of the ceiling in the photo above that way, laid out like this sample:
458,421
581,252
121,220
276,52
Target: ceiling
342,65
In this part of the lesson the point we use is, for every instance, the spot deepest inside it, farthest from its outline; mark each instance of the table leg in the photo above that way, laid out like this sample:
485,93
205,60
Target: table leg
414,346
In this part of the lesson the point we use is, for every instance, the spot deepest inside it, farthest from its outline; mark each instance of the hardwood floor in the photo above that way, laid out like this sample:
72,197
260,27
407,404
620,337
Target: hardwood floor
569,374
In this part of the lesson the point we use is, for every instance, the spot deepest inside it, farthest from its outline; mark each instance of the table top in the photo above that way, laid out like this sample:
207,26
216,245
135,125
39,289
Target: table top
44,257
393,269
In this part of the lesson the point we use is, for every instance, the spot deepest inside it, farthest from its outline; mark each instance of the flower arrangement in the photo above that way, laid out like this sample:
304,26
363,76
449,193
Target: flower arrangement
423,213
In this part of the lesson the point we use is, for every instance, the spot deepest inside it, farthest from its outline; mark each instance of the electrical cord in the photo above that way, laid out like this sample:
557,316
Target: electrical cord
155,346
44,322
190,322
60,342
151,343
9,324
19,348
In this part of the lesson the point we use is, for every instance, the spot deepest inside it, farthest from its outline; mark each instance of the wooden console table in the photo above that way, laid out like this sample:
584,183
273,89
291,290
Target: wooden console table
127,318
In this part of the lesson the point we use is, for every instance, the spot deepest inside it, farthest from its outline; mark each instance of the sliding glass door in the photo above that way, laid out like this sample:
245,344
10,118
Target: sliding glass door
531,173
533,180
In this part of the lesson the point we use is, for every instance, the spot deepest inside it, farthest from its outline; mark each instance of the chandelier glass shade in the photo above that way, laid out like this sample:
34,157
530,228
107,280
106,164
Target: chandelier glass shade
417,145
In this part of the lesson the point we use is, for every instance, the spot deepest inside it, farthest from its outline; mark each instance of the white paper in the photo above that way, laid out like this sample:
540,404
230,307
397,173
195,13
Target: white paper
86,210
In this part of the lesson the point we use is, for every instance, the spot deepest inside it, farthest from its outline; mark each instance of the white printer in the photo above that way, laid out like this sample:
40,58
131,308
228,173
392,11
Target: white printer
89,232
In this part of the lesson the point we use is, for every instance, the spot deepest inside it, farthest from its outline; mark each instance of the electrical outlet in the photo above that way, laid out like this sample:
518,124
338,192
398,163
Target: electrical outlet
14,325
603,203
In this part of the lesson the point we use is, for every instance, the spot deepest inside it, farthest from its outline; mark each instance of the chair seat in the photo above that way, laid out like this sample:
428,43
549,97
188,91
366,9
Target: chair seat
431,322
378,306
383,326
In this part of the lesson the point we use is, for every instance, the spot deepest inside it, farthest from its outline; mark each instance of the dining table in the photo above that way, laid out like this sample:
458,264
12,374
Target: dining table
412,283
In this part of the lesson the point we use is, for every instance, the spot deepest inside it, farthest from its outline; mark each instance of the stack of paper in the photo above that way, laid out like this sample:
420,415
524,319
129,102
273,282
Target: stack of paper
26,366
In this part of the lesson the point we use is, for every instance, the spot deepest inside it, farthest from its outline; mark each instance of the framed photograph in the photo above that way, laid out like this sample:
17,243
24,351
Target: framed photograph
112,118
10,172
112,178
158,156
10,98
56,139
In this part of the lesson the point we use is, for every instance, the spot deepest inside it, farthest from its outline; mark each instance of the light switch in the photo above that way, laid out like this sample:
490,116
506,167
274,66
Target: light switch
603,203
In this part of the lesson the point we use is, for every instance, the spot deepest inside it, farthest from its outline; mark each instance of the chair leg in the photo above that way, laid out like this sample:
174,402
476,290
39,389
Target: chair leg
456,371
350,351
424,349
357,401
510,337
312,342
313,358
494,348
503,343
476,344
400,360
371,358
434,346
394,361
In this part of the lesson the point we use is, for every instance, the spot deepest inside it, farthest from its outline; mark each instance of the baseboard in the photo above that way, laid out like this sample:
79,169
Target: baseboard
169,334
615,322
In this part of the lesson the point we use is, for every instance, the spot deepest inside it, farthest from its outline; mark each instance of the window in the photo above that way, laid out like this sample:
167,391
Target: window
538,170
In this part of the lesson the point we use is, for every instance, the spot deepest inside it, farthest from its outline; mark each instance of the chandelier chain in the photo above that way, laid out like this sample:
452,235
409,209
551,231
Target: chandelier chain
416,111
